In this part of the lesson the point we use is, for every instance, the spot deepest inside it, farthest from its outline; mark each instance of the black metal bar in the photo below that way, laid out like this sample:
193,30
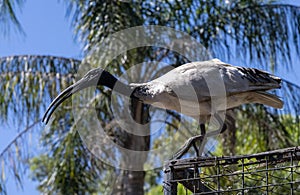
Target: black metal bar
292,175
267,176
252,169
218,173
243,177
170,186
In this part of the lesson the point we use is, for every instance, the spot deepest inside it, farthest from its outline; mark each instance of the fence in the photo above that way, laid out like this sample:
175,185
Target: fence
274,172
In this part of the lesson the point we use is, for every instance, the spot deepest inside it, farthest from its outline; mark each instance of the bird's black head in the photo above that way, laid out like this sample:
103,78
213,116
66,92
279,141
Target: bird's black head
98,76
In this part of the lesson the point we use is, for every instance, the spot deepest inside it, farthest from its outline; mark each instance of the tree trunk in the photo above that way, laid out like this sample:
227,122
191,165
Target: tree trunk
132,182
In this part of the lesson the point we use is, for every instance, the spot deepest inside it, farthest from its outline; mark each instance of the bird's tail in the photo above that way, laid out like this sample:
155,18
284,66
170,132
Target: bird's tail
268,99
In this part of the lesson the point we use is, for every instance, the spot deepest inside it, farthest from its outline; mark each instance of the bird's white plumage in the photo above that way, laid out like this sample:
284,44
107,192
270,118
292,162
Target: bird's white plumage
189,88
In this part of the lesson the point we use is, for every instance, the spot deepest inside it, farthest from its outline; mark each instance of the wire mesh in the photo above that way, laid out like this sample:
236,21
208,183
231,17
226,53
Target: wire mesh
274,172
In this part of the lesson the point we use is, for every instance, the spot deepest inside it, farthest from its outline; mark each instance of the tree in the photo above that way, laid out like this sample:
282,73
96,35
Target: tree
255,31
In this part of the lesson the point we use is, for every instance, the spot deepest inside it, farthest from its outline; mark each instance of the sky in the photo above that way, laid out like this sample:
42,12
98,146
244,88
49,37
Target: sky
48,32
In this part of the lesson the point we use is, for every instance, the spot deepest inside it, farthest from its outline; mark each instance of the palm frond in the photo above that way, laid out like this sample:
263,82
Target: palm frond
264,32
29,83
15,156
8,16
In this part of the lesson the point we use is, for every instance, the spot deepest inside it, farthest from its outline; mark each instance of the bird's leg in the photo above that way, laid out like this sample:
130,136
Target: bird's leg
202,138
203,131
187,145
224,127
202,143
221,129
191,142
196,149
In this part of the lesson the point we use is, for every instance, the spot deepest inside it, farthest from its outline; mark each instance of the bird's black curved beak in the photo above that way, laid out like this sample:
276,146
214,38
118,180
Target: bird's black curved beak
87,81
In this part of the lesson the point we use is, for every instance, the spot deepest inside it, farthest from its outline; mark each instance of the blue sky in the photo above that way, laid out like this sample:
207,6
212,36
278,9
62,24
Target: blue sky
48,32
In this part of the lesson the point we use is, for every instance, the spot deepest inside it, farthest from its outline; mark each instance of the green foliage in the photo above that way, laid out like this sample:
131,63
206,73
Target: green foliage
68,170
29,81
253,135
158,190
95,20
8,16
258,29
155,190
251,138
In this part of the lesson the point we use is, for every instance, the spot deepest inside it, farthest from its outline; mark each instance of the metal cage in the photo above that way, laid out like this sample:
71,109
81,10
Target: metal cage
274,172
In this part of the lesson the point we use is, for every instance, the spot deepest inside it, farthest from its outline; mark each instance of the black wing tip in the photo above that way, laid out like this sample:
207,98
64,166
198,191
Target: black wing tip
256,75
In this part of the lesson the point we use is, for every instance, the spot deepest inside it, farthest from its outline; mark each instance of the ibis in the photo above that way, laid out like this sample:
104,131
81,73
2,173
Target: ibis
189,89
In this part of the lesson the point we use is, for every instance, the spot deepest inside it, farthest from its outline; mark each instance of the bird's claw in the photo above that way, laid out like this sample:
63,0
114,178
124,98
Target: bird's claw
187,145
192,141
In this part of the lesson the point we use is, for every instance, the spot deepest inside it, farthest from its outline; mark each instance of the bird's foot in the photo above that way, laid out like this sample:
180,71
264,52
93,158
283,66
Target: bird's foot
202,138
188,144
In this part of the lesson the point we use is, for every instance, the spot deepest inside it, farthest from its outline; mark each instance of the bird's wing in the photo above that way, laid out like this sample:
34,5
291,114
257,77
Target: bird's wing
186,82
240,79
266,98
214,78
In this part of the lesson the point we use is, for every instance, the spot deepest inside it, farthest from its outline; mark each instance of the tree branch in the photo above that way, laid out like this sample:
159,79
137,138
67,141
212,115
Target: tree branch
18,136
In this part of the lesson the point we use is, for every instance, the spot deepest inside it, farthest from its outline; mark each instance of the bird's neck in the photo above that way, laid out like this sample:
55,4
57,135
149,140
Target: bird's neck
108,80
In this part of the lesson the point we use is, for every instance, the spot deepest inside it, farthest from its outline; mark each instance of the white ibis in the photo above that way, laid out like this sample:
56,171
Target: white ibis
172,90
